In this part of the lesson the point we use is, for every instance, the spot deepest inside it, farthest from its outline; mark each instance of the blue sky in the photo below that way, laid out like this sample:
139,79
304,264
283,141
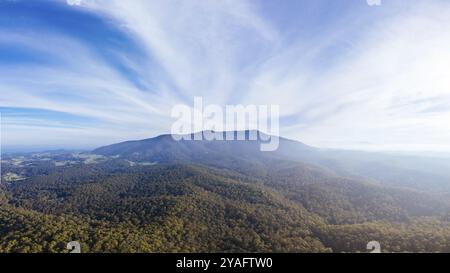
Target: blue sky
345,74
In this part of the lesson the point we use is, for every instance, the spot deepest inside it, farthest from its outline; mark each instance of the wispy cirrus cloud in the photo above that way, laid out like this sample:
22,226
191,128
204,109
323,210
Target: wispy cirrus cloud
344,74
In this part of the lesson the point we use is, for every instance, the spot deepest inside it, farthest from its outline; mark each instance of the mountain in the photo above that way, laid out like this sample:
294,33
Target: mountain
165,149
162,195
414,172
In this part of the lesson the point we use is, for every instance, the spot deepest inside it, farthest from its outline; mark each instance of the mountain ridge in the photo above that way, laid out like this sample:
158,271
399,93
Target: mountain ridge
423,174
219,196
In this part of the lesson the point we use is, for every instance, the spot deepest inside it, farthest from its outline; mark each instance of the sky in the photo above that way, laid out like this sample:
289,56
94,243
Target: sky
81,74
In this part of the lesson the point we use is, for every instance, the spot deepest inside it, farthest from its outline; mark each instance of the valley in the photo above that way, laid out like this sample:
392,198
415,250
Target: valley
160,195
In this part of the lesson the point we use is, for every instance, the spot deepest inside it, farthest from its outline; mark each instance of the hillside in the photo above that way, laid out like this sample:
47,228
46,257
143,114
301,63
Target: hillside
415,172
198,196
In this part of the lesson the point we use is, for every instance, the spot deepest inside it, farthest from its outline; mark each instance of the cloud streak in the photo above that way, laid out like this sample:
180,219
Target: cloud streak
375,75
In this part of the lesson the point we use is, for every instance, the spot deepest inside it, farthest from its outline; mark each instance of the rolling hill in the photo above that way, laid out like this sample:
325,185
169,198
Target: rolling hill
217,196
421,173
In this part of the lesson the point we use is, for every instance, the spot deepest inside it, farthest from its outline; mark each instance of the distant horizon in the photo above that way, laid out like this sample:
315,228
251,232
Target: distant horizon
25,150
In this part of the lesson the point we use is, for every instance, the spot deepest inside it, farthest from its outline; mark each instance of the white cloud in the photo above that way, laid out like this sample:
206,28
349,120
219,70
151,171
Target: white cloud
198,43
73,2
387,86
380,93
81,85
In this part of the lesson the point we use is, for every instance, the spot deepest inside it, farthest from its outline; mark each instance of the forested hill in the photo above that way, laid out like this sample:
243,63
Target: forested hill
166,149
421,173
223,201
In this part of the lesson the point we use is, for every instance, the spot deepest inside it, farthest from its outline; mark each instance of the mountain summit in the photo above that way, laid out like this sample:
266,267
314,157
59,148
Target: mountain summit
425,174
170,148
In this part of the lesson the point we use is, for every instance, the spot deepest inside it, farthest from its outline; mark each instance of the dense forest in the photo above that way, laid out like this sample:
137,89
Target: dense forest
193,208
158,195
